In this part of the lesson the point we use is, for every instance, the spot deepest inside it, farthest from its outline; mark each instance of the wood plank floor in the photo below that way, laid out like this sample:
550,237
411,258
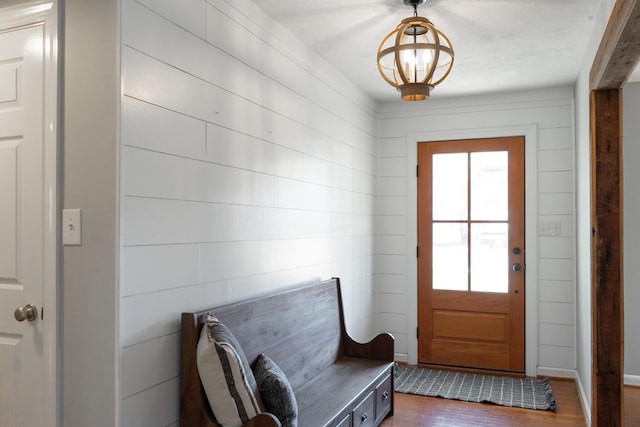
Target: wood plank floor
411,410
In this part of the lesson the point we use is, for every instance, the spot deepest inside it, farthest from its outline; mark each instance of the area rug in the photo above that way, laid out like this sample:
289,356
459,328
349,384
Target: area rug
526,393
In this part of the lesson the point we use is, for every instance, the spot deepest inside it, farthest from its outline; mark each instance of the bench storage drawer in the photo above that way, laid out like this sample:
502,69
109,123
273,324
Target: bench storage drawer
364,413
383,396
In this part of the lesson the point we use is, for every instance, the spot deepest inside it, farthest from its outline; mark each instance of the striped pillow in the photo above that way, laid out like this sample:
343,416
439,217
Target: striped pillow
226,376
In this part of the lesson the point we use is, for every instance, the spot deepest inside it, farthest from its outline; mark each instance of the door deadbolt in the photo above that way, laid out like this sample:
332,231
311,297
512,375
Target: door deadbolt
28,312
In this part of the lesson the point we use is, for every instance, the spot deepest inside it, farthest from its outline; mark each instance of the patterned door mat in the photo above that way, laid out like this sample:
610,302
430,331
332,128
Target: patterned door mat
529,393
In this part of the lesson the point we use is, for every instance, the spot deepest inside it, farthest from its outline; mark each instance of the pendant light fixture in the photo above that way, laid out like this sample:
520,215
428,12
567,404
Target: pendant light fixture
415,57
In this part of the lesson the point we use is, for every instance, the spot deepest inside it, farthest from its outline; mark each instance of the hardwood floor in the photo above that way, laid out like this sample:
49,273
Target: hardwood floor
413,411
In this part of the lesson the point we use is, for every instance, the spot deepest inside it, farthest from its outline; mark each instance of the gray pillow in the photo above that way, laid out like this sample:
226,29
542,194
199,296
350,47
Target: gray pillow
275,391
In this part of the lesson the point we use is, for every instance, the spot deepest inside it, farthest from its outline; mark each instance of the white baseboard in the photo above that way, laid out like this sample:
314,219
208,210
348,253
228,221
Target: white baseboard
633,380
401,357
556,372
584,403
572,374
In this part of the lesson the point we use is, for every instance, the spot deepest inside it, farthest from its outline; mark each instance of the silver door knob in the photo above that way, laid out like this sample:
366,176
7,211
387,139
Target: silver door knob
28,312
516,267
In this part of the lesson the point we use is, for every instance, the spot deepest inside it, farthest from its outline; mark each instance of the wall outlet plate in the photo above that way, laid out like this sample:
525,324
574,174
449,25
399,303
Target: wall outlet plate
550,228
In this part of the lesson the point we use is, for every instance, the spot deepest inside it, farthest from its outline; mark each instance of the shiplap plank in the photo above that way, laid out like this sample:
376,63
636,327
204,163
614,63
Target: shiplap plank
154,268
157,406
148,126
556,138
391,303
392,224
394,322
556,160
148,316
392,166
150,363
392,245
159,221
555,182
556,269
392,147
557,335
392,264
556,247
545,116
555,204
556,291
557,313
243,151
392,186
151,174
392,283
391,205
561,357
189,14
363,204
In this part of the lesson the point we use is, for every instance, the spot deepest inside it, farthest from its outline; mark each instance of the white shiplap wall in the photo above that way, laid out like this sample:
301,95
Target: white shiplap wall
546,117
248,166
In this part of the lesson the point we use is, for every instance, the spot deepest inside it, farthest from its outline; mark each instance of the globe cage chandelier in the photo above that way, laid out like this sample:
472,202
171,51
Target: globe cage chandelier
415,57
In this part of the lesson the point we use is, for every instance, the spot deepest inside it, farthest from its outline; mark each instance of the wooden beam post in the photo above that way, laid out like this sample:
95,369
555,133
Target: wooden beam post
607,253
619,48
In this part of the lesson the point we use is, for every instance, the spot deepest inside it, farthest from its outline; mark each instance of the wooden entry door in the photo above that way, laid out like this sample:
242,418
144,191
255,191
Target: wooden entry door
471,255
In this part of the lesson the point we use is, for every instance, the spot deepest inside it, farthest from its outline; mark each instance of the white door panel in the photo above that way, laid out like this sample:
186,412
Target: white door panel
22,207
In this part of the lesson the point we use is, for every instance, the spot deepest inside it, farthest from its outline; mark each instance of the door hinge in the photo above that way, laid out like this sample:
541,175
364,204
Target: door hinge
417,334
417,171
417,251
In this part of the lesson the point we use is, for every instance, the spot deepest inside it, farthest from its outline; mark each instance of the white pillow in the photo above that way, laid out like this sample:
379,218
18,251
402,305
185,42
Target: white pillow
226,375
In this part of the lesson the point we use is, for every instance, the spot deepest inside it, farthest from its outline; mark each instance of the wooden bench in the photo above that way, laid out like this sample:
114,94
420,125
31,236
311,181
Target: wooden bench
337,381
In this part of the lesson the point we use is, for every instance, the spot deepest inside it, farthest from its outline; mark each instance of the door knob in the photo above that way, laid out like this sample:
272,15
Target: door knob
28,312
516,267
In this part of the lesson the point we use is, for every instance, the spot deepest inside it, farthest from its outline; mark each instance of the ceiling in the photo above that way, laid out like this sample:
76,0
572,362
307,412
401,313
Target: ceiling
500,45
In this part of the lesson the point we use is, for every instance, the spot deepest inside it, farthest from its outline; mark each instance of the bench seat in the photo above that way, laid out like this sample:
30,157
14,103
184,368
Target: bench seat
331,396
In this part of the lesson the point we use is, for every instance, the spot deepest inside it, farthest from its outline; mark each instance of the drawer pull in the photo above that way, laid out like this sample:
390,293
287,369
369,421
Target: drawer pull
363,418
385,395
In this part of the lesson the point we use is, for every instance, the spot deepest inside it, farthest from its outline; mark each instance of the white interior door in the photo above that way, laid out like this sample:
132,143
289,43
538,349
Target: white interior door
23,211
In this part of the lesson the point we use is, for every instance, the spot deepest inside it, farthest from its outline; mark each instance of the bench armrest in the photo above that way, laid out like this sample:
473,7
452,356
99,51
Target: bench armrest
263,420
379,348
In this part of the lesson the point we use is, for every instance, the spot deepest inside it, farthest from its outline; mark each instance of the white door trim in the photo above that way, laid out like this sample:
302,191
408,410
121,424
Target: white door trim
530,133
46,13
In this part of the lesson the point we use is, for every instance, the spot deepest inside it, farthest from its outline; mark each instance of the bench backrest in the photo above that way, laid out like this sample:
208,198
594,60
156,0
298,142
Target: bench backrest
300,329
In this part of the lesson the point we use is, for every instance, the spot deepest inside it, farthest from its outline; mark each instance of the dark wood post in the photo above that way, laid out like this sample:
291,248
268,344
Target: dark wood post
607,251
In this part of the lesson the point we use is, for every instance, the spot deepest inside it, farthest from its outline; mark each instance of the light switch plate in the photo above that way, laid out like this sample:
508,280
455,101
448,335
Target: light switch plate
72,227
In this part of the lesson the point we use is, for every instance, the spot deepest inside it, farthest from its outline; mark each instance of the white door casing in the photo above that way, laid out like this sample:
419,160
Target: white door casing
28,147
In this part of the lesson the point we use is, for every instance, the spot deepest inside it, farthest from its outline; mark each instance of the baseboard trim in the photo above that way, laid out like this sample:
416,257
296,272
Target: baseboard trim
571,374
401,357
556,372
632,380
584,402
